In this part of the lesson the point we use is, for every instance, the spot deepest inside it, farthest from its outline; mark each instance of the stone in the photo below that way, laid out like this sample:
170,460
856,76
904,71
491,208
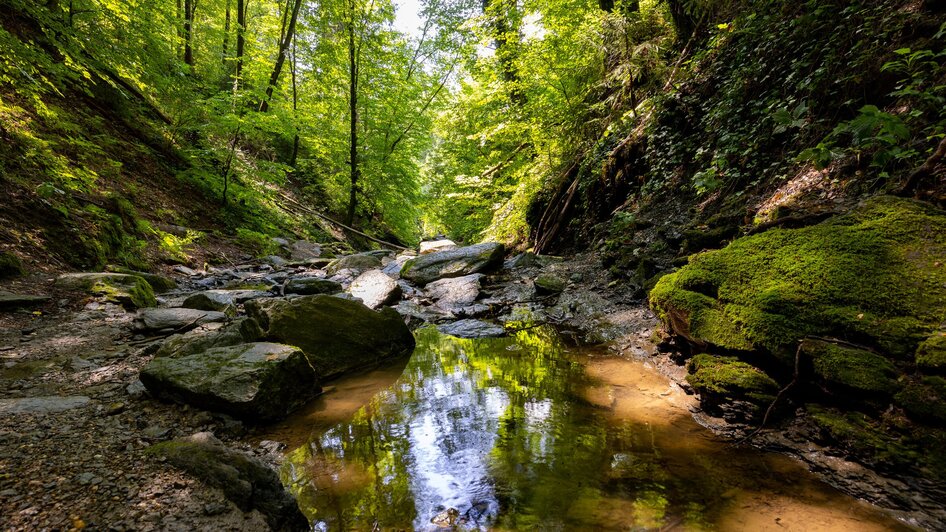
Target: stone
129,291
393,268
359,262
159,283
216,300
11,300
186,271
414,312
455,292
337,335
240,331
433,246
275,261
453,263
308,286
303,250
244,480
157,319
549,283
471,329
42,405
375,289
257,381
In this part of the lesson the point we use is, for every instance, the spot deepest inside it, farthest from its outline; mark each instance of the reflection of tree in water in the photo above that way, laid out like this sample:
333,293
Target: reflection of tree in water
499,430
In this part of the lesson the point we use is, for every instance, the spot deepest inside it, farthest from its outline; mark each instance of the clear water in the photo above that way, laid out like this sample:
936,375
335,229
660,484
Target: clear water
524,433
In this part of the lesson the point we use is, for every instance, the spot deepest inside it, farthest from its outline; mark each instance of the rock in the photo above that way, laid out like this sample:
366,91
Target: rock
186,271
311,286
136,390
256,381
130,291
375,289
472,329
456,292
719,380
246,481
159,283
415,312
201,339
447,518
549,283
433,246
157,319
10,265
10,300
302,250
337,335
393,268
931,354
216,300
359,262
281,242
42,405
453,263
852,371
275,261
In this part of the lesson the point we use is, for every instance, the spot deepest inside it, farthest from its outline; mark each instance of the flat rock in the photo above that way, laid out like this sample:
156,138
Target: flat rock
360,262
130,291
308,286
217,300
208,336
471,329
42,405
433,246
375,289
257,381
455,292
11,300
303,250
453,263
156,319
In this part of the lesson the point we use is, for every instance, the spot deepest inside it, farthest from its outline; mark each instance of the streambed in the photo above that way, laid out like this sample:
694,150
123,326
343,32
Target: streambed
525,432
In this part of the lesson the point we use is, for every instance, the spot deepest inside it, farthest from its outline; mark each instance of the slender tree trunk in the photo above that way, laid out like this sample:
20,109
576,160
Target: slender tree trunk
242,6
179,28
226,32
284,43
353,121
295,108
189,32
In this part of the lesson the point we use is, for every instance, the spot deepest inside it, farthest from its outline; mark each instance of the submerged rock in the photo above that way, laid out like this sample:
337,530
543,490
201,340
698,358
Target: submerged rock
129,291
472,329
256,381
453,263
337,335
246,481
375,289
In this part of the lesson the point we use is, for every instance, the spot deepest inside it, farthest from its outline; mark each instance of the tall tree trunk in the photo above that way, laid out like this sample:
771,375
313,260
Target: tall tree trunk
498,13
295,108
189,6
287,37
684,24
242,6
179,29
353,113
226,32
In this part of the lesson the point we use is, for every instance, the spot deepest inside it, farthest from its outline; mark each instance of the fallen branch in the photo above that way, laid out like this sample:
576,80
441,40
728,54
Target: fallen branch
340,224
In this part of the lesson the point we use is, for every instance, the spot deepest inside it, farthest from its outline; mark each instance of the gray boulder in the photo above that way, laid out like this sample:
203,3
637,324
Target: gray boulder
471,329
209,336
308,286
255,381
157,319
337,335
247,482
455,292
302,250
549,283
375,289
11,300
360,262
453,263
433,246
218,300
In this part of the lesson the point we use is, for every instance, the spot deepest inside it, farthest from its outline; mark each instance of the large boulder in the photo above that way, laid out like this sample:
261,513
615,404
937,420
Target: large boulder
453,263
359,262
433,246
455,292
337,335
375,289
159,319
256,381
309,286
129,291
246,481
301,250
208,336
159,283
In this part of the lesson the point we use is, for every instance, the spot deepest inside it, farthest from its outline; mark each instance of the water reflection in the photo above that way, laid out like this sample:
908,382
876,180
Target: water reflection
518,433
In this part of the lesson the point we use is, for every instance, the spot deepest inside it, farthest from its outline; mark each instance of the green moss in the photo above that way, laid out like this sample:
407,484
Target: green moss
729,377
159,283
870,274
931,354
133,293
852,369
10,265
256,243
864,436
924,400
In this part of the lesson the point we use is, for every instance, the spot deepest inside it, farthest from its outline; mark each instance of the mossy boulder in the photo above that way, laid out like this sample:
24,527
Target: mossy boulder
130,291
245,481
256,381
924,399
337,335
240,331
931,354
549,283
359,262
722,379
10,265
453,263
159,283
874,274
310,286
216,300
852,370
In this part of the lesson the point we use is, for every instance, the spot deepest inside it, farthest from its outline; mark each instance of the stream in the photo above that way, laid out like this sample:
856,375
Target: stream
525,432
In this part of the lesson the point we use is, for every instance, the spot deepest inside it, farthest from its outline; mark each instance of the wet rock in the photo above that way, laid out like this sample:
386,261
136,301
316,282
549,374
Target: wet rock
301,250
549,283
447,518
311,286
129,291
241,331
433,246
42,405
157,319
186,271
257,381
472,329
453,263
456,292
11,300
359,262
246,481
417,314
337,335
375,289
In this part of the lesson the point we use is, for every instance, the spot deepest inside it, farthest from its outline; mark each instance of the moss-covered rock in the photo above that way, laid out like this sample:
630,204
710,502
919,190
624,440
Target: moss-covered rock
453,263
549,283
931,354
10,265
874,274
851,369
359,262
241,331
925,399
337,335
719,379
863,436
130,291
159,283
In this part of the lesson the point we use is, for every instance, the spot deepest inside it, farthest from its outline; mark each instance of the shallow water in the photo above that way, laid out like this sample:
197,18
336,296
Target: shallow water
524,433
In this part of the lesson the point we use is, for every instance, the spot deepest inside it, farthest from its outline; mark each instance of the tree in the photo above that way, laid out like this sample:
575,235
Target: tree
287,34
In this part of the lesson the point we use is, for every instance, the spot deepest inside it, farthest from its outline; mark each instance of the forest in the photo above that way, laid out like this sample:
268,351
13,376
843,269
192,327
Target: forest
472,264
